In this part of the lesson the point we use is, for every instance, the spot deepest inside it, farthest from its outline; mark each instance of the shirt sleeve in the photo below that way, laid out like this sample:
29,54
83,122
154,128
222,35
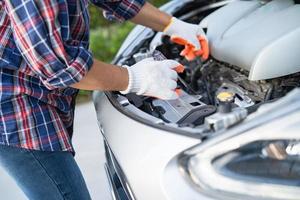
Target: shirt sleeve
119,10
37,28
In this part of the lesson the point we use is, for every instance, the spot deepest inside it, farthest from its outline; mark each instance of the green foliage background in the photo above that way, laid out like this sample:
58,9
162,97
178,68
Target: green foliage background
107,37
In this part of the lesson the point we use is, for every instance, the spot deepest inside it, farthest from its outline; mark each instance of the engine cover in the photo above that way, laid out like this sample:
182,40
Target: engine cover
262,38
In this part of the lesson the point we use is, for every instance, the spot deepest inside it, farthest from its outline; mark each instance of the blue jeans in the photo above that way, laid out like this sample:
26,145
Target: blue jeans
44,175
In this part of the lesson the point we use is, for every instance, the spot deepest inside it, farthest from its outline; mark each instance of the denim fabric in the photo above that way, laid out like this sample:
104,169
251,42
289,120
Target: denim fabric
44,175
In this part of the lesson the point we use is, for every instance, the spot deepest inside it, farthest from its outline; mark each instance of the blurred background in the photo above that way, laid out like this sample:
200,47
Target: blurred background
103,43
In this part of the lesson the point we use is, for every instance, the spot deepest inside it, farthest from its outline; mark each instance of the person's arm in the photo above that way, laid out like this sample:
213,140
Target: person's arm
105,77
147,77
152,17
140,12
150,78
189,35
42,46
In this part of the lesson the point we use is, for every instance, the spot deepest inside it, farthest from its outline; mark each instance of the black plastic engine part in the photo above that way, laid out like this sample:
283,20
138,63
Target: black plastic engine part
196,117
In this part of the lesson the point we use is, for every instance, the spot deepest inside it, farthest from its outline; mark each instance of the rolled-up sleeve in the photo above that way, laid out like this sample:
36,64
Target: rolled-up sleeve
37,32
119,10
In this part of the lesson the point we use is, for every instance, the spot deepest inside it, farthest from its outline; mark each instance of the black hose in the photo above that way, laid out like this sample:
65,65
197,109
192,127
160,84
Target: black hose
252,109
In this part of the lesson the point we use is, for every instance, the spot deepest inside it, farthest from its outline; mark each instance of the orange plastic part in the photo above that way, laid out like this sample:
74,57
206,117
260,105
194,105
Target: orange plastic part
178,91
179,69
205,48
189,51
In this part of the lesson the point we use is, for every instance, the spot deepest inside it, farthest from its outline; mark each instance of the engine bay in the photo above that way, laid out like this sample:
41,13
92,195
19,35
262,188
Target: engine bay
214,94
201,83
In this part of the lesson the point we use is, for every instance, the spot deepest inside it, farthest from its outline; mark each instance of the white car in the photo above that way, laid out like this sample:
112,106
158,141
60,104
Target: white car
234,133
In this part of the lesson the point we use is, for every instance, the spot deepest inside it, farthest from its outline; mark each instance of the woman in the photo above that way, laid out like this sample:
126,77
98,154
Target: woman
44,60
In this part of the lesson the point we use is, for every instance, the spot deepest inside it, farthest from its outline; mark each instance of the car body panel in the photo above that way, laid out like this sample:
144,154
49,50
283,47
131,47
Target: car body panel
148,149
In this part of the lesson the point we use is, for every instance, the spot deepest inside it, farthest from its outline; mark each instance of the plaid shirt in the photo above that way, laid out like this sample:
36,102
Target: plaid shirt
43,50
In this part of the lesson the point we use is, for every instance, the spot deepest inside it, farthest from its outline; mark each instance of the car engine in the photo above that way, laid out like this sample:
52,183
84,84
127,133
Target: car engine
200,84
222,91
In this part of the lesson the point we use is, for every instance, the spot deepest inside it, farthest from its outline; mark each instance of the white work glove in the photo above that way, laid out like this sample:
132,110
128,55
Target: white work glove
153,78
191,36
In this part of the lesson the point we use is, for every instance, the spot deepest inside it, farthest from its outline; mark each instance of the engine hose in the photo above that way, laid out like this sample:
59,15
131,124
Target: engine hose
252,109
197,74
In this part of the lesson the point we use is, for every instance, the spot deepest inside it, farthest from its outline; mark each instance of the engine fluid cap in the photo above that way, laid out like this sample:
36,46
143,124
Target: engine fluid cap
226,96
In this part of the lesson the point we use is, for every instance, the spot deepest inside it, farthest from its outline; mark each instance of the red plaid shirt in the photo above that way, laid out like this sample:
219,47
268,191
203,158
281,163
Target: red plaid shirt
43,50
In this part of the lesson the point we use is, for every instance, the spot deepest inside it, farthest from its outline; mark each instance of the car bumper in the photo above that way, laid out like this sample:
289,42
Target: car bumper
138,154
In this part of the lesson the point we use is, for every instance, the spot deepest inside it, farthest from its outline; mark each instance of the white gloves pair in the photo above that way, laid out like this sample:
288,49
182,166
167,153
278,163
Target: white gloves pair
159,78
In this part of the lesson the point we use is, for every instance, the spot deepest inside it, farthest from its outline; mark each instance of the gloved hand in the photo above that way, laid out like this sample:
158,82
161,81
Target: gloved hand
191,36
153,78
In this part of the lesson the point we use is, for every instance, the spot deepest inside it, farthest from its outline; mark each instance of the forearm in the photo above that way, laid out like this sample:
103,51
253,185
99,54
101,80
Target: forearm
152,17
105,77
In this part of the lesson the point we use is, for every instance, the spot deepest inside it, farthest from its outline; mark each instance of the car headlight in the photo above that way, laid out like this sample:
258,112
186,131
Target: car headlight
260,163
